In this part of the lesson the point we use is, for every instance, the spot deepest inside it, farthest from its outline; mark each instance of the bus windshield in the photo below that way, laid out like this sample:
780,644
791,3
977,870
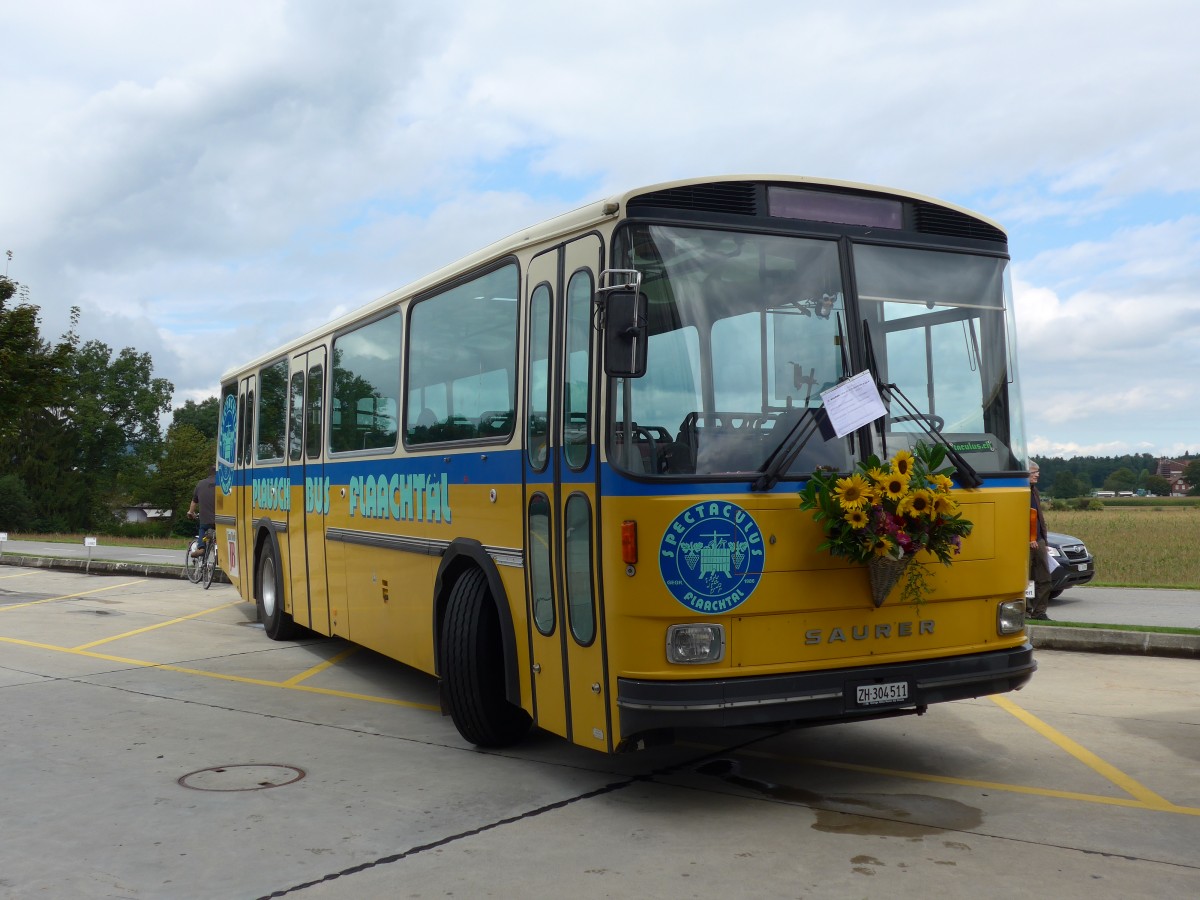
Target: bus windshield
746,331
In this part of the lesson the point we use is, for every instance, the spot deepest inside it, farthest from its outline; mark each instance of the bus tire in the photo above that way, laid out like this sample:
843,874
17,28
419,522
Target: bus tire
276,623
473,667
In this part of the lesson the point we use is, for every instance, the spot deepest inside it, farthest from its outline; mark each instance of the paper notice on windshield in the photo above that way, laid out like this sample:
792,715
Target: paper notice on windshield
853,403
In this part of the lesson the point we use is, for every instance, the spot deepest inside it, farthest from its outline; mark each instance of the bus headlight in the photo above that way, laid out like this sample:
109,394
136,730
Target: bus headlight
1011,617
695,643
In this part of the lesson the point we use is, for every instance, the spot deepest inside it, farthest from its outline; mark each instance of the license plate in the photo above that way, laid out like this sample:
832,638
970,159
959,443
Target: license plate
1082,567
1030,591
892,692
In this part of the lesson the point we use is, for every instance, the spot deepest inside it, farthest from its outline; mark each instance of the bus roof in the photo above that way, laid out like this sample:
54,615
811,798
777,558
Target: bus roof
566,223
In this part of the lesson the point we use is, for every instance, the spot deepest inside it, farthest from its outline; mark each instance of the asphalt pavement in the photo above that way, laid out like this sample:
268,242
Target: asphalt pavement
156,745
1088,604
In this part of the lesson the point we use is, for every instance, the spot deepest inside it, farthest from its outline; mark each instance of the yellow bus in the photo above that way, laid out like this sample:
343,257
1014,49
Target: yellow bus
562,475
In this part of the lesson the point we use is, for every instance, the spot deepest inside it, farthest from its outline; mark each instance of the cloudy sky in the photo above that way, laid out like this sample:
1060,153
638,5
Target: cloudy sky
206,180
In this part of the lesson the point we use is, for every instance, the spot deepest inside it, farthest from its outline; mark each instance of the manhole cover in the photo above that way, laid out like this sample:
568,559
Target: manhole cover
242,777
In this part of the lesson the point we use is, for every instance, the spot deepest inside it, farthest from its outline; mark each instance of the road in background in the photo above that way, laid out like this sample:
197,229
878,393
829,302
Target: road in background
1128,606
113,552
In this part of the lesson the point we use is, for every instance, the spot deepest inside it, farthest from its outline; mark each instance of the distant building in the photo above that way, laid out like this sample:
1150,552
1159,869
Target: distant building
1172,471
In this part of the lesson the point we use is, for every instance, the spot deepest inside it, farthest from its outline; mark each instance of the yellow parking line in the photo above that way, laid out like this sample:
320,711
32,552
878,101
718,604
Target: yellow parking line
959,782
1089,759
239,679
111,587
1127,802
320,667
117,637
18,575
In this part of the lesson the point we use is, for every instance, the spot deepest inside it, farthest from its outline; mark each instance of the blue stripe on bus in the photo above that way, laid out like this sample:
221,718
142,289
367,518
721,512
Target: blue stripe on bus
506,467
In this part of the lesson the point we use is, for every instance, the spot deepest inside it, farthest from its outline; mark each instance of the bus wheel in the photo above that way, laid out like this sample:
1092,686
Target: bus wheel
277,623
473,667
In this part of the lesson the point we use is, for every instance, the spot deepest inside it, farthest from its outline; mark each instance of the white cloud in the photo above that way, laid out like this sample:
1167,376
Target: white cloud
207,178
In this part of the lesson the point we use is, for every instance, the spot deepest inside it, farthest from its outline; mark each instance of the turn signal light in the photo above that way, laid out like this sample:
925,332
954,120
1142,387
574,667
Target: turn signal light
629,542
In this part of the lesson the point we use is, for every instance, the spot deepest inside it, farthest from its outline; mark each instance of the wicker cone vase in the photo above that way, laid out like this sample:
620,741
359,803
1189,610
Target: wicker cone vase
885,572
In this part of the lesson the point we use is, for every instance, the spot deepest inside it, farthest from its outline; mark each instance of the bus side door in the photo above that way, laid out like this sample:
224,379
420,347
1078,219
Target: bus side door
561,477
245,489
309,501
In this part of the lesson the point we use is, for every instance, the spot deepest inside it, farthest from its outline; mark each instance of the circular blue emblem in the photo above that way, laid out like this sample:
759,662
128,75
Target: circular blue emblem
711,557
227,444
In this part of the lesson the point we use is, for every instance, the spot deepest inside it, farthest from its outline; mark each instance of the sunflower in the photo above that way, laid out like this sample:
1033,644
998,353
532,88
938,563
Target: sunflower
943,482
919,503
894,487
944,506
883,546
853,492
902,463
877,475
856,518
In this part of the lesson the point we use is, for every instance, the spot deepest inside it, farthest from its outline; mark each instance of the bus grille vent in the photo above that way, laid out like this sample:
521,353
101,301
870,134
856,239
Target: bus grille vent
931,219
734,197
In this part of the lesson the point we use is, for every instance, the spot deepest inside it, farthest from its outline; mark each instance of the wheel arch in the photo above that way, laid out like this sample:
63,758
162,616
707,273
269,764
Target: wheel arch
460,557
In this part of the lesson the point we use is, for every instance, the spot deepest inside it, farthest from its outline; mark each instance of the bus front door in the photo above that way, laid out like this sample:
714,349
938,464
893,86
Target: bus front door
566,634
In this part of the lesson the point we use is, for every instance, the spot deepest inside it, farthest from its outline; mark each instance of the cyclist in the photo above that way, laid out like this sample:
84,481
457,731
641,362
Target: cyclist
204,501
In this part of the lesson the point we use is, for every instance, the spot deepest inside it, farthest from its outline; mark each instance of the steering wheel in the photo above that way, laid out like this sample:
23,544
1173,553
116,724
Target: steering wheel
936,422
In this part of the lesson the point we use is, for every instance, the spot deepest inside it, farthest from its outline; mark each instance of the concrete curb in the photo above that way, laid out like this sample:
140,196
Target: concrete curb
1103,640
102,567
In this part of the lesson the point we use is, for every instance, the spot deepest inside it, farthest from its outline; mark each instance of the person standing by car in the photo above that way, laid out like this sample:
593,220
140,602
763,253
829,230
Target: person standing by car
1039,557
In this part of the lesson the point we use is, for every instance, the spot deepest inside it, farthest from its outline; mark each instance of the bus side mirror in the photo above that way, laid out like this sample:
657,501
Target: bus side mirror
625,334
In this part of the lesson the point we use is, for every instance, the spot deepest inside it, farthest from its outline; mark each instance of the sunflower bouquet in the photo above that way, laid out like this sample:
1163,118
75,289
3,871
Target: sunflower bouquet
882,516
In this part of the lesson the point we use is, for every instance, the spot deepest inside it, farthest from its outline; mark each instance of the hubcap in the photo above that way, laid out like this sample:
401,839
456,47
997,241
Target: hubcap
268,587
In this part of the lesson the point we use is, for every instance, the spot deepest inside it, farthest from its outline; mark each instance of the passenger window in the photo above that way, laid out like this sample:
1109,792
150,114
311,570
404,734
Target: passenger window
272,411
316,387
581,611
577,388
462,355
541,581
296,418
537,404
366,387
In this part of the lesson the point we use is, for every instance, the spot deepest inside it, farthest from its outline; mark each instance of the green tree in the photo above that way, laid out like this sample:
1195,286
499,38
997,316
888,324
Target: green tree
1066,485
78,424
1122,479
187,457
202,416
16,510
111,417
31,370
1157,485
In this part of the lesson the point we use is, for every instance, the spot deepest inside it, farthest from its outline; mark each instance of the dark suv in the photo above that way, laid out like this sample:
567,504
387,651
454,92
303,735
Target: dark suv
1075,563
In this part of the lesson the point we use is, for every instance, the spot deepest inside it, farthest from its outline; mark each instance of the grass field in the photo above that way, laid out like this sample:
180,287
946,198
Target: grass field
1138,546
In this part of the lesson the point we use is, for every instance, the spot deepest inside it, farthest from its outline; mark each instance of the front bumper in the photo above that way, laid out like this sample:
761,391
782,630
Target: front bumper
1069,574
828,695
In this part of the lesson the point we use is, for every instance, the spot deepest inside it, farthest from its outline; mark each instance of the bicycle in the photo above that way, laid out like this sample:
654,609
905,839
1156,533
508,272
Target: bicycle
200,569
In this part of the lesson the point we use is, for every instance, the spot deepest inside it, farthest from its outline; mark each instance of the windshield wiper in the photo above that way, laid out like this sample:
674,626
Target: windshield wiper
967,476
809,423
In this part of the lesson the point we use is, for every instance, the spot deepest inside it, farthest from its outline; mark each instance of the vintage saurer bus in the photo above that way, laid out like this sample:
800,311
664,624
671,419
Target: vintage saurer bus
562,475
